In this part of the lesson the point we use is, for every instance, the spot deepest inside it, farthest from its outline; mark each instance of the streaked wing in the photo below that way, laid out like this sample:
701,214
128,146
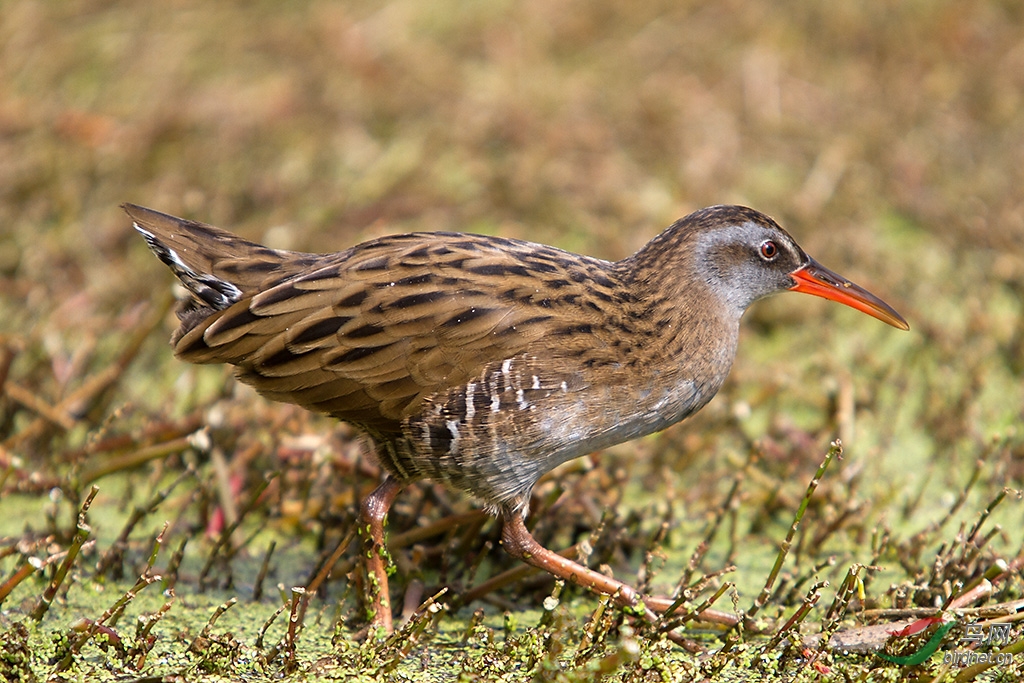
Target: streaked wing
366,334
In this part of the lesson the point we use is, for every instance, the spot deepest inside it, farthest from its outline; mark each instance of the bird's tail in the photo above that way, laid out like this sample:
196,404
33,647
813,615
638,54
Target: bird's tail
215,266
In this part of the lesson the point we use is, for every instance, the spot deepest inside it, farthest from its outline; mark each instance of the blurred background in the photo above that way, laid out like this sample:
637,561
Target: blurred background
887,137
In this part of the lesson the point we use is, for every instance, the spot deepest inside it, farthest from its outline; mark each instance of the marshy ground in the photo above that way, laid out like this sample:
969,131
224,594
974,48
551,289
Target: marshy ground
158,519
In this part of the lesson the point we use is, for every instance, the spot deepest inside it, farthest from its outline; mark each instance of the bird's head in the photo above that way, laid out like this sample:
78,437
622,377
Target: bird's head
744,256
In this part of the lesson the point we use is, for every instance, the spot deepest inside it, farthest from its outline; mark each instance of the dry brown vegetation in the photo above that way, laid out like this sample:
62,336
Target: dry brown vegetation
139,497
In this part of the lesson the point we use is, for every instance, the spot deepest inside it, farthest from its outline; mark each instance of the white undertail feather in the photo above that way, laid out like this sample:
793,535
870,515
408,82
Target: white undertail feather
211,291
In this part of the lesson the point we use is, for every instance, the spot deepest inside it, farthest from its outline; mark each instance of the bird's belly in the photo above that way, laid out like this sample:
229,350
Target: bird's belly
498,456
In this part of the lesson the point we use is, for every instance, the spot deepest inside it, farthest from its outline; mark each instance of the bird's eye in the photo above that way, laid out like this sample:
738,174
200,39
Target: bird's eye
769,250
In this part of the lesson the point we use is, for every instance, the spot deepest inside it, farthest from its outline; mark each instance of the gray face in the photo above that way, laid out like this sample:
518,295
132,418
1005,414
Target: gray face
744,262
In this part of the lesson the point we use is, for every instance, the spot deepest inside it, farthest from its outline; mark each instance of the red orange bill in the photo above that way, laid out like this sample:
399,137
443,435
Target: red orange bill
814,278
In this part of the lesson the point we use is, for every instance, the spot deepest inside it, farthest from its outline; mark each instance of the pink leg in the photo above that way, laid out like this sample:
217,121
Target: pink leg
373,512
520,544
